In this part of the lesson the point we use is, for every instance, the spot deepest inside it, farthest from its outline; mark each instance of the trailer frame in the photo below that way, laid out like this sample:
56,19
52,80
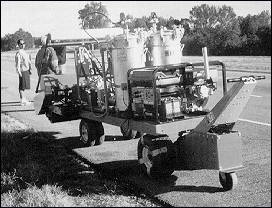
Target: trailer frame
189,143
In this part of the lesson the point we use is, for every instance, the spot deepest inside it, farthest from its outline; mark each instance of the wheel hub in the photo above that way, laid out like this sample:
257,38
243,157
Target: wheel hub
146,159
84,135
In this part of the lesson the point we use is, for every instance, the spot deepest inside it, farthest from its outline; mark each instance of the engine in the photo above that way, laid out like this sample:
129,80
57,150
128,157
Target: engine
169,92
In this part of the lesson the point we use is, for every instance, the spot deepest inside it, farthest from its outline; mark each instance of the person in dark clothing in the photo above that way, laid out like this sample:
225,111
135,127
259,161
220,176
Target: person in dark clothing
61,54
46,60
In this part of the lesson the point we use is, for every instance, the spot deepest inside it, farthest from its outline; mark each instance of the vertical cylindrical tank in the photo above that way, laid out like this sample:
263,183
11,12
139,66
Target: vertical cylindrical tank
164,47
155,53
172,46
127,52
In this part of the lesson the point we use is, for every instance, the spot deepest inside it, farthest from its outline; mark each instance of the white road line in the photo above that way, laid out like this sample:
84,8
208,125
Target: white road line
256,122
258,96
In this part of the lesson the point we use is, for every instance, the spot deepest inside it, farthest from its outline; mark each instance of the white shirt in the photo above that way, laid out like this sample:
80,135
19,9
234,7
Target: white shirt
22,61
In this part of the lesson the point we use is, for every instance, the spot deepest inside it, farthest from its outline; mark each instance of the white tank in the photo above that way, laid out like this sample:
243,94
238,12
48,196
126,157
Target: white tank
127,53
154,54
172,47
164,47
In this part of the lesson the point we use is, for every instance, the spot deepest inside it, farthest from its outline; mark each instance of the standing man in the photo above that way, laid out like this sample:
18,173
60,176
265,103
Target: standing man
46,60
23,68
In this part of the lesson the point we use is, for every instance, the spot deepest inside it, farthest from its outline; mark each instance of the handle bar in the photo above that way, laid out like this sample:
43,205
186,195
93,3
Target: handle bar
245,78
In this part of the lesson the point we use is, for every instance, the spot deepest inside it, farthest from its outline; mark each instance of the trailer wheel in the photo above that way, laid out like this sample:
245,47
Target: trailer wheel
91,132
156,156
228,180
100,134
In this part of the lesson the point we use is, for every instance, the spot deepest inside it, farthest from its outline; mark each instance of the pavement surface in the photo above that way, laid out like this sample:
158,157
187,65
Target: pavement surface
184,188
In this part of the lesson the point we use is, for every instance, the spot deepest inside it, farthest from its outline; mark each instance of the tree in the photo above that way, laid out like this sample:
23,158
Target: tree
256,31
170,22
215,27
162,22
264,35
129,21
37,41
140,23
264,19
185,22
29,40
9,41
204,16
91,19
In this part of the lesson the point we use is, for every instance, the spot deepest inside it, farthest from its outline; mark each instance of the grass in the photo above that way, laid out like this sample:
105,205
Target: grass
36,171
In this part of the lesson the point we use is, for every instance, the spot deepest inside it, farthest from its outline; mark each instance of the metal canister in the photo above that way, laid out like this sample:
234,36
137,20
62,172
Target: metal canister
155,53
127,52
164,47
172,47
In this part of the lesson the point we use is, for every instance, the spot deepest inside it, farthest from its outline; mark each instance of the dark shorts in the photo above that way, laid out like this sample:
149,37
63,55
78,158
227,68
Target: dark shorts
24,81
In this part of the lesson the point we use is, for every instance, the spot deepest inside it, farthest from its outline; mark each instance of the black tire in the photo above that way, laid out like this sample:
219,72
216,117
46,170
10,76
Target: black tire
228,180
100,140
91,132
156,155
100,134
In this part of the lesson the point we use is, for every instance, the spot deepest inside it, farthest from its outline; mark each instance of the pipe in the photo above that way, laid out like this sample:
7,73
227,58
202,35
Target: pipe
206,63
224,76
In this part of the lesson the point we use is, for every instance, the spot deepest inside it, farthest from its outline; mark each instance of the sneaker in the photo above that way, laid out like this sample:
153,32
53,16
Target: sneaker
27,102
22,103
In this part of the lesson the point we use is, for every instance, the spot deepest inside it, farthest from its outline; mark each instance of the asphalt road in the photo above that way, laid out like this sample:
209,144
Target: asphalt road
183,188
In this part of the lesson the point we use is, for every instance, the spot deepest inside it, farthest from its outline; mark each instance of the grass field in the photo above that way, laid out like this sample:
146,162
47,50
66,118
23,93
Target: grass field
38,172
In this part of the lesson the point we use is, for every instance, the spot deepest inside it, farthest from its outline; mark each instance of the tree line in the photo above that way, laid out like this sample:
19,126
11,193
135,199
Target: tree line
217,28
9,41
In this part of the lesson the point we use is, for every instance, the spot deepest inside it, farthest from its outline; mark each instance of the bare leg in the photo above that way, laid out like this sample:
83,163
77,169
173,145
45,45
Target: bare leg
21,94
24,101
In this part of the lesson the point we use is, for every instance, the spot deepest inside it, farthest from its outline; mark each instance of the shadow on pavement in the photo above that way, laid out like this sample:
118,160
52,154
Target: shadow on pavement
121,167
8,105
75,143
38,161
70,142
129,171
124,171
201,189
114,138
12,102
17,110
48,136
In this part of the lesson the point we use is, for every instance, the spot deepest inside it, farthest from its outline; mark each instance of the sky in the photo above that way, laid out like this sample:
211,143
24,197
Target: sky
61,17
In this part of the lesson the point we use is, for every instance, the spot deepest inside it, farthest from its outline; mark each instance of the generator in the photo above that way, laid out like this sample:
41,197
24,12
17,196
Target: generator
169,92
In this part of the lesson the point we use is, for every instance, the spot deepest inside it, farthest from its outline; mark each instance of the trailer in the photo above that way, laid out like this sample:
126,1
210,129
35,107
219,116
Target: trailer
139,83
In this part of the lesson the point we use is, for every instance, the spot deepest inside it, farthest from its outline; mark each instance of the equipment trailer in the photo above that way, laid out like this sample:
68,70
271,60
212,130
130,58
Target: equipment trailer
160,101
